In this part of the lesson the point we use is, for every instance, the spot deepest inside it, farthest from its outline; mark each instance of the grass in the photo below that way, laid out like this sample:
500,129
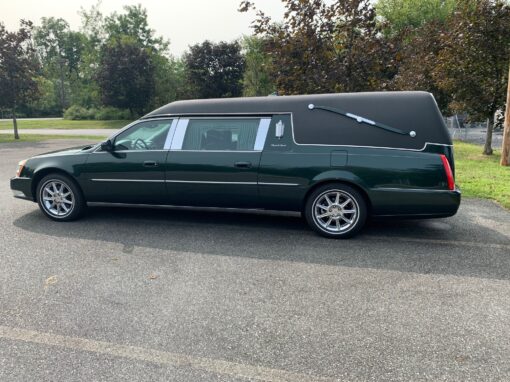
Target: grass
5,138
64,124
480,175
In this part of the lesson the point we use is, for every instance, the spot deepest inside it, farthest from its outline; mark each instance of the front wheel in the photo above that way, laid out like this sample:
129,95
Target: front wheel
60,198
336,211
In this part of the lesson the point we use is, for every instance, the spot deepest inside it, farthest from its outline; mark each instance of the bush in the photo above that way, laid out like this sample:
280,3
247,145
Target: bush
76,112
109,113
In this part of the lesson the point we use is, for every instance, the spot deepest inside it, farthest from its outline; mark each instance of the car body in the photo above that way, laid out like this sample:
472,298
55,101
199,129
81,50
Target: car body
377,154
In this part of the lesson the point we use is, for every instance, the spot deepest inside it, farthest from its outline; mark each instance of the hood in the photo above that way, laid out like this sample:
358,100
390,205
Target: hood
68,151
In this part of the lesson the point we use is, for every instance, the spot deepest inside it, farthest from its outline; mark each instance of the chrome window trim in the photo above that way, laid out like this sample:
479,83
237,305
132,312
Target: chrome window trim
171,133
262,131
180,132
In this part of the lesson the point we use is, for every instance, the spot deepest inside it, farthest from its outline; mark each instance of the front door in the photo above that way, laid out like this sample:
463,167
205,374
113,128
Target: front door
134,171
214,161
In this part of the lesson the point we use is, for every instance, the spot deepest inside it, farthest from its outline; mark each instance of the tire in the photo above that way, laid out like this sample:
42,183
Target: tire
336,211
60,198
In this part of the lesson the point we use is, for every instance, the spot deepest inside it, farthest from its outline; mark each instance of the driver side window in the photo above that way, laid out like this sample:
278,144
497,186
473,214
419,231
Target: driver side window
147,135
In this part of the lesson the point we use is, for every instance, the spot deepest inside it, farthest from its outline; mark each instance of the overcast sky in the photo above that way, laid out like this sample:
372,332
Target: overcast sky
183,22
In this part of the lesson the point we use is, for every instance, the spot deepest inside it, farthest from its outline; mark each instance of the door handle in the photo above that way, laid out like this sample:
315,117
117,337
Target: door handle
150,163
242,164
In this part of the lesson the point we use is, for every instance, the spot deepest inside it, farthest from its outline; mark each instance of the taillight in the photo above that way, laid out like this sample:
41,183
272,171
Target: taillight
448,171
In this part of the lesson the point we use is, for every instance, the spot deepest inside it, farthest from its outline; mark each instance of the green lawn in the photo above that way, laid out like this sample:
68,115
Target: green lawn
5,138
64,124
481,176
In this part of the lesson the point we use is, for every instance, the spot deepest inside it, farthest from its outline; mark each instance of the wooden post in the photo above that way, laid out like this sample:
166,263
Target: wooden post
505,149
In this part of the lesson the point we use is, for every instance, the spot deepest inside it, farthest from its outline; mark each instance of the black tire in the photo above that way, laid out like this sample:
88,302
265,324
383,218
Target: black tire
332,219
49,207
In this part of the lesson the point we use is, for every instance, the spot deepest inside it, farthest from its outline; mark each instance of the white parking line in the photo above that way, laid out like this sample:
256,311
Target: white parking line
216,366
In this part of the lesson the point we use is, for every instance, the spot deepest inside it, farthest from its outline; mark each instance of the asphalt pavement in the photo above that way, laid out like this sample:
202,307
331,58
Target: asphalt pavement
187,295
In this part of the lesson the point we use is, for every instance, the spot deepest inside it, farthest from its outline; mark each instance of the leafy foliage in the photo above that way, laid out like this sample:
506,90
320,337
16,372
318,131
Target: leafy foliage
402,15
215,70
126,75
324,48
473,63
18,69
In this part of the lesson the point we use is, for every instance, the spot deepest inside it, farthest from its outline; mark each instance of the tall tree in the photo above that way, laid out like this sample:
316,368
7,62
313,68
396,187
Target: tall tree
322,47
18,69
133,23
61,51
126,75
473,63
215,70
257,80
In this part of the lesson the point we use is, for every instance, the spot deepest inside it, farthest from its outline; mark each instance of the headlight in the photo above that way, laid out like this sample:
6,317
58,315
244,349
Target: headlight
21,164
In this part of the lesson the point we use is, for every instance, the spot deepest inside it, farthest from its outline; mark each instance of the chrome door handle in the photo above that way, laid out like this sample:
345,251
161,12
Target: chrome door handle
149,163
242,164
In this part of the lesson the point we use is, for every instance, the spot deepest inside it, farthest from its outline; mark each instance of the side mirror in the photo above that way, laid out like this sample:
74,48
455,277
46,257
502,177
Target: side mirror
107,145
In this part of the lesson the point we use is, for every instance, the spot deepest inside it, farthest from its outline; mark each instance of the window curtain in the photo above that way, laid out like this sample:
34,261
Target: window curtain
246,129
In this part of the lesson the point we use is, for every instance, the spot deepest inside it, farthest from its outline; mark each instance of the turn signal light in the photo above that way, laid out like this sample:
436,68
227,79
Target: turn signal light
21,164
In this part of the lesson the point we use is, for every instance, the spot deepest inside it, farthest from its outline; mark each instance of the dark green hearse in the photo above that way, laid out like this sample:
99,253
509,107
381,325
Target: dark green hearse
337,158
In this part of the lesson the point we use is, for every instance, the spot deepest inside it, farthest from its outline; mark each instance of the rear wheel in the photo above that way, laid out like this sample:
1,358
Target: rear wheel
60,198
336,211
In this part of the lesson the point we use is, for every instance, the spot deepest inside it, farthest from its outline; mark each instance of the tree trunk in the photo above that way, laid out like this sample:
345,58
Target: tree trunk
505,148
15,124
487,148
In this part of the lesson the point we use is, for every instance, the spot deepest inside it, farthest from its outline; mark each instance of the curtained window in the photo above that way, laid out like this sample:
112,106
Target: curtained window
221,134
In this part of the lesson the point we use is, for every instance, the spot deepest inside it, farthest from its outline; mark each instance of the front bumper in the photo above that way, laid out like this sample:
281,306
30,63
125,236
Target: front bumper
22,188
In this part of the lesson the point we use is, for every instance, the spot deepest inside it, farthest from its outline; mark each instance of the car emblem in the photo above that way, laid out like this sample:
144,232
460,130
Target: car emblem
279,129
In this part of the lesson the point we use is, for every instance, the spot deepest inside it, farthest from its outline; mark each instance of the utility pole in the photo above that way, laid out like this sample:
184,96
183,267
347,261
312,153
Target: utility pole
505,149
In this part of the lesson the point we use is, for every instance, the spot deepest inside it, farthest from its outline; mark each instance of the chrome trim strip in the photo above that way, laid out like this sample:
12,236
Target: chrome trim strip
171,133
180,132
260,140
209,182
277,184
409,189
129,180
218,151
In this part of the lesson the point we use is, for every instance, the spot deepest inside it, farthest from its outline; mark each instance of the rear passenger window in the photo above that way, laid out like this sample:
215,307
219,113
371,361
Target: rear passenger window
229,134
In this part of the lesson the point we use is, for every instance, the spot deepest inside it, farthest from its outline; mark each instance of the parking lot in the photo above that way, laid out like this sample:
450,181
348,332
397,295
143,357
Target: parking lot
187,295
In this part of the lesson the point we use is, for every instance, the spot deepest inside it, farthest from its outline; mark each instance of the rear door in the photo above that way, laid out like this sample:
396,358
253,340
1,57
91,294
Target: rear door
214,161
134,172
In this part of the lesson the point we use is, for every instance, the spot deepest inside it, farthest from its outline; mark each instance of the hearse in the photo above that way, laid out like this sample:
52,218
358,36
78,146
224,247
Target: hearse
336,158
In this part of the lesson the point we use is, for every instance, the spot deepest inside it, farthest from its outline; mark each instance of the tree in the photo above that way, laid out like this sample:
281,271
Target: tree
322,47
18,69
257,80
416,60
215,70
403,15
126,75
505,146
134,23
61,52
472,65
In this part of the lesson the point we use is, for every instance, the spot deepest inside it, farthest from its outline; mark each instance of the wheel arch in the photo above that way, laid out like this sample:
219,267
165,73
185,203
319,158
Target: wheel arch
349,183
40,174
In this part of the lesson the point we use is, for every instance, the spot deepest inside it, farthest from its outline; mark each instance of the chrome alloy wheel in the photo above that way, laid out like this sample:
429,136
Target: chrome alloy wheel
57,198
335,211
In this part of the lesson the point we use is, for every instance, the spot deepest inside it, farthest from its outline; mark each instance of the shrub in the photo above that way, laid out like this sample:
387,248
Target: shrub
110,113
76,112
